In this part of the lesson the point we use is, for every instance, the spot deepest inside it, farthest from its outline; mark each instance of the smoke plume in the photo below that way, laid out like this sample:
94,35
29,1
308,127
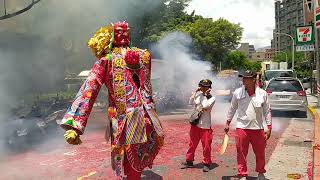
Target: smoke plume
39,47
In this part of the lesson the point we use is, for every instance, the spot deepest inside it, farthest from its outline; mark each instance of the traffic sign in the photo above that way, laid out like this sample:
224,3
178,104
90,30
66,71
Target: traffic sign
308,47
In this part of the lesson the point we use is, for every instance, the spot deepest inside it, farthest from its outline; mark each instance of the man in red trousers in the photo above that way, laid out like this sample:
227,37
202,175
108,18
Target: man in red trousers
253,107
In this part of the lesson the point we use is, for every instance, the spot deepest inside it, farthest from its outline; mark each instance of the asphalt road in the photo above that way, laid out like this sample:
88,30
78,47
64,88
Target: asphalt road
55,159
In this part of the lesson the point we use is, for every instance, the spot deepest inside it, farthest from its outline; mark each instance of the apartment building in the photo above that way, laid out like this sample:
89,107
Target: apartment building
289,14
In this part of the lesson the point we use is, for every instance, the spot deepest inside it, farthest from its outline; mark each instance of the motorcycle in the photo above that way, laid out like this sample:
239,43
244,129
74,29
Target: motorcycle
25,132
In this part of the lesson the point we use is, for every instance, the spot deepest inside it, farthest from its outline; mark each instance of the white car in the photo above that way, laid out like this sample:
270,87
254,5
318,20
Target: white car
269,74
287,94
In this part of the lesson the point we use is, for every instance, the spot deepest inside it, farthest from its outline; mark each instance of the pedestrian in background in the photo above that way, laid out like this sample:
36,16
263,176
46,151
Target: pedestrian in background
259,81
252,105
203,100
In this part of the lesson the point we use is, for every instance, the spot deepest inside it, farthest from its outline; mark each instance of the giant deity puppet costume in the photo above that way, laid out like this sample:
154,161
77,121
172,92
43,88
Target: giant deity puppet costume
136,132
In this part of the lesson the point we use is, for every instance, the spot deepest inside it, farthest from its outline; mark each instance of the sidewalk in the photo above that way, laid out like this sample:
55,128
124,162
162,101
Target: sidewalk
315,111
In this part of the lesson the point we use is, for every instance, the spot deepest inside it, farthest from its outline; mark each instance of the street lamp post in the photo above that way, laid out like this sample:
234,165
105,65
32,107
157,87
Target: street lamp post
292,51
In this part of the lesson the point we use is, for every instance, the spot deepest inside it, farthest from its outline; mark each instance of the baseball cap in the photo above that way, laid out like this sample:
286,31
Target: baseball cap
248,74
205,83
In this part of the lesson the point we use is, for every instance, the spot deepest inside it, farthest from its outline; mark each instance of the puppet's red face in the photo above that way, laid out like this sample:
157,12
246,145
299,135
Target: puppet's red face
121,34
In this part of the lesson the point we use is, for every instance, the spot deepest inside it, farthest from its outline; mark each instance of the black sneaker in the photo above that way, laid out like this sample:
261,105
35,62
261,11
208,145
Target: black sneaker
187,164
206,168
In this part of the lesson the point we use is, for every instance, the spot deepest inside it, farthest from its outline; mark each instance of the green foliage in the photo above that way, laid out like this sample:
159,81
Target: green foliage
252,66
301,66
303,69
281,57
150,26
213,39
236,60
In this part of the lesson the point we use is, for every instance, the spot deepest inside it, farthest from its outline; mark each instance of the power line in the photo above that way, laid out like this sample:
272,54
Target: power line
6,16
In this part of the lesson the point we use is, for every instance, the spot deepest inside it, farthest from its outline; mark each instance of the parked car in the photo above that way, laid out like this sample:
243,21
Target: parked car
306,82
269,74
287,94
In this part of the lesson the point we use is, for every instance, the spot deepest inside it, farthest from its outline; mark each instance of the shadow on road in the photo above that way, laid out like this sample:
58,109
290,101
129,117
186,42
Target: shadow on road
200,166
146,175
289,114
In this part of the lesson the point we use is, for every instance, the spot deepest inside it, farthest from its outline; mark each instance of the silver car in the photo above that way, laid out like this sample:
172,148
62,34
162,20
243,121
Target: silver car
269,74
287,94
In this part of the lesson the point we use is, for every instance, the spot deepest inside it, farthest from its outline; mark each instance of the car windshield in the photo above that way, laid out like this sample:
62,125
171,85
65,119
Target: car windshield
285,85
274,74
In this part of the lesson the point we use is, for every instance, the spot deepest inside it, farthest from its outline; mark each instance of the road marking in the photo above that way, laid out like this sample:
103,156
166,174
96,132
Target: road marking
47,162
87,175
58,161
43,163
71,153
103,150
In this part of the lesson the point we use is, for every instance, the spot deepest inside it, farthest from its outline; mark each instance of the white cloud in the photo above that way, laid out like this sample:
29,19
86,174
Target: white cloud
255,16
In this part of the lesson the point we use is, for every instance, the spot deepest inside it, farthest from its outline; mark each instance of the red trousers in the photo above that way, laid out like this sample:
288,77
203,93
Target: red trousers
129,171
258,142
197,134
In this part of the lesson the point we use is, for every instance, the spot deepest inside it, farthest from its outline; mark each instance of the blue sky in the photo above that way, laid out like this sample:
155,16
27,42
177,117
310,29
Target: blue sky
255,16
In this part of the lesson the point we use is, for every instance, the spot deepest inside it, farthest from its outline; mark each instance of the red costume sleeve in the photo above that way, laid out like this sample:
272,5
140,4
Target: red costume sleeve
77,115
147,95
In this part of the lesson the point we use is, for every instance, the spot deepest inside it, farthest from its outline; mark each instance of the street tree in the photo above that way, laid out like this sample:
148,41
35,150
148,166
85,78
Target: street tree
213,39
252,66
235,60
302,64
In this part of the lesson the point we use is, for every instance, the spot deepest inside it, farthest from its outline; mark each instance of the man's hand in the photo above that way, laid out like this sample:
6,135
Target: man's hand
226,128
72,137
207,92
195,92
267,134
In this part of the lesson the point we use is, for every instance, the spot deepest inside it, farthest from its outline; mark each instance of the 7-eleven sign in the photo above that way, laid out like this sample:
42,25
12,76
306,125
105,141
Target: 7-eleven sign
305,38
304,34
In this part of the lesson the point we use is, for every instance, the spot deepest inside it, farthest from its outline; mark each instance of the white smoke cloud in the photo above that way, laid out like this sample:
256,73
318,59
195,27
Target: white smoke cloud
180,70
37,46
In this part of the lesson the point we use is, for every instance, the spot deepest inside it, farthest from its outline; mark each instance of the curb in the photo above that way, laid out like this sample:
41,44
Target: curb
316,152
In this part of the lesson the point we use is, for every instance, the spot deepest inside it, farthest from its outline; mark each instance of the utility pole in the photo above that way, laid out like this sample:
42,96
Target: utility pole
315,5
292,49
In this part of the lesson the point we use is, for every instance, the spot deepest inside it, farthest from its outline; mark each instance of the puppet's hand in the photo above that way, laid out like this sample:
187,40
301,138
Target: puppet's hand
72,137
